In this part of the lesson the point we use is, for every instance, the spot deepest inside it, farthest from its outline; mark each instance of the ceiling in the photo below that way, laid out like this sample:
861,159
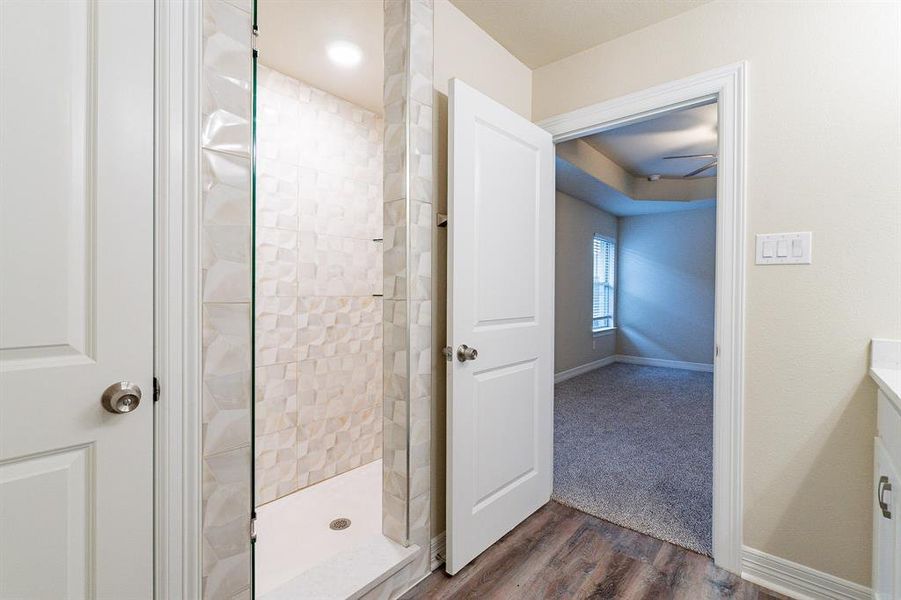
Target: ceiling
575,182
295,34
639,148
617,181
539,32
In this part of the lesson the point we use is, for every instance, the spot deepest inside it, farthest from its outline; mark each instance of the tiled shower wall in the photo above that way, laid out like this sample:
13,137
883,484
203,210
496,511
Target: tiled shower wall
409,226
318,286
227,318
226,285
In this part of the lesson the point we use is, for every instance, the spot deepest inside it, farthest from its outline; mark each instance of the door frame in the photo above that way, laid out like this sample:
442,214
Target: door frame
177,223
728,86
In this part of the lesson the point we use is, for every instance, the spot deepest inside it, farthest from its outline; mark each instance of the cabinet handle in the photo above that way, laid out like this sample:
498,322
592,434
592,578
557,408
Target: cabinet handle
881,488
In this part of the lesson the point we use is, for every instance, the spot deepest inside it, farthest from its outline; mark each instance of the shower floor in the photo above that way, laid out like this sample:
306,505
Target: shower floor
296,550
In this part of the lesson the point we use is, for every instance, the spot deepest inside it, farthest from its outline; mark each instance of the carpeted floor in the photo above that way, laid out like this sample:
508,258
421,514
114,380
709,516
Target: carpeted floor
633,445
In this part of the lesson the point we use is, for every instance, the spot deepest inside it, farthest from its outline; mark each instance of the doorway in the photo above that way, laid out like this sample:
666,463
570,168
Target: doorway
726,86
636,246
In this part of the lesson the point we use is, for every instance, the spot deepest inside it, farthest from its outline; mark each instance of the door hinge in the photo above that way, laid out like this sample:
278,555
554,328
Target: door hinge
253,528
156,389
253,40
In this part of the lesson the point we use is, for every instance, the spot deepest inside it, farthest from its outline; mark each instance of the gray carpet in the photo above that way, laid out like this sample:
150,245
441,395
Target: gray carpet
633,445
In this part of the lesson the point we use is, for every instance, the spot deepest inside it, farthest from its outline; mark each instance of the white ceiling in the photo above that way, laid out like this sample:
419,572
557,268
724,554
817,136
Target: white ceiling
575,182
539,32
294,35
639,148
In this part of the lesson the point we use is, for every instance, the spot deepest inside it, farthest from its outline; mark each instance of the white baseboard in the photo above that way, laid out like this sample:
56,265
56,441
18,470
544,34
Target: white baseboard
436,552
661,362
576,371
632,360
797,581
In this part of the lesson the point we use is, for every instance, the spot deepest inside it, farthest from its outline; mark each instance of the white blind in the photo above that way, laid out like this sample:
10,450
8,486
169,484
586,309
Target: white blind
603,289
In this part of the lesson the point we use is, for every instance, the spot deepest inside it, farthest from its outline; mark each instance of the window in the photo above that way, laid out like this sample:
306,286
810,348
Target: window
604,250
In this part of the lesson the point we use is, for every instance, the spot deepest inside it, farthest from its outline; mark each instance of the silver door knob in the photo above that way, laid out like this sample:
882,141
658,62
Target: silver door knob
120,398
465,353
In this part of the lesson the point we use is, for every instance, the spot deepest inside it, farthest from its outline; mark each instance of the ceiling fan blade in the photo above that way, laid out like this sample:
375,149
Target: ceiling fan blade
709,165
690,156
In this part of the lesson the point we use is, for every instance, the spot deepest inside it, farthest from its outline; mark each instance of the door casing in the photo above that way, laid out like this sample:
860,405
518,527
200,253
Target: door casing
727,85
177,300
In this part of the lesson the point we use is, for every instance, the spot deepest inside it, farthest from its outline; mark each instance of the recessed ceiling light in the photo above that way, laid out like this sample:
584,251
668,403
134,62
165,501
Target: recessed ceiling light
345,54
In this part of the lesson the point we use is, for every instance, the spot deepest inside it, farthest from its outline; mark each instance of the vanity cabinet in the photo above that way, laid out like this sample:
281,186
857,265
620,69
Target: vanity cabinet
887,502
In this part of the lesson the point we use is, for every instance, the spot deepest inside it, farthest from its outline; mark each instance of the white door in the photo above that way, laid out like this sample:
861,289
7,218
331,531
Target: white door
76,285
501,304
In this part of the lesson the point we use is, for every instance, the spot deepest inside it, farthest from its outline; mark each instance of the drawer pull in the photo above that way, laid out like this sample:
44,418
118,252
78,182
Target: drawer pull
881,488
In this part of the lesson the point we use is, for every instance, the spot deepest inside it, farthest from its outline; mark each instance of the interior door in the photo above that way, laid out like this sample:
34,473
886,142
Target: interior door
76,287
500,322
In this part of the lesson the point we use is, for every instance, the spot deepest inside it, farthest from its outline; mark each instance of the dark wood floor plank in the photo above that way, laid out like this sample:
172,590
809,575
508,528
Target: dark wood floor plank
560,553
512,558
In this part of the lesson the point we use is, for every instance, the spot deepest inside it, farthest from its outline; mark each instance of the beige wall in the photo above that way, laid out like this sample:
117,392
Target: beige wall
666,264
462,50
823,155
574,343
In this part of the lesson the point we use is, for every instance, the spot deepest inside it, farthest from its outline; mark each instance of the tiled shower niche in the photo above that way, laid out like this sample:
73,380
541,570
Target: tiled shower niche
318,286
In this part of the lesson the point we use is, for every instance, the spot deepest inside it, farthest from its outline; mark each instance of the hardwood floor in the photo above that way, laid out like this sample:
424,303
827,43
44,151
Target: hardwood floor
562,553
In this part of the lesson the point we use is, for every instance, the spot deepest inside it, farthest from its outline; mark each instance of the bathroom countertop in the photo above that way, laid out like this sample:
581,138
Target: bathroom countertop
885,368
889,381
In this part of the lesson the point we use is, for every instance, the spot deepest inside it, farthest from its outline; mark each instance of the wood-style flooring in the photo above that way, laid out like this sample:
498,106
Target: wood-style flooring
562,553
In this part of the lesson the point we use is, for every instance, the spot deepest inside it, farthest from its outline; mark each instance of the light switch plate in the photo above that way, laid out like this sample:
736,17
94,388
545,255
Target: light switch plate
784,248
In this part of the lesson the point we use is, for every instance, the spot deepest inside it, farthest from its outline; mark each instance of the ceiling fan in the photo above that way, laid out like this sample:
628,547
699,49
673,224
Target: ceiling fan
706,167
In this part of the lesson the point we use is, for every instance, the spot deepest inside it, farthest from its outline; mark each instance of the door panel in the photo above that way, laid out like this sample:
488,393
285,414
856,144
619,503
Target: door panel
48,151
58,487
76,313
506,395
500,283
505,232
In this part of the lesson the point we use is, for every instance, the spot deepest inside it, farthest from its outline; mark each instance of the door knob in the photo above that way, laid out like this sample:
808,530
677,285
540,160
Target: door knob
465,353
120,398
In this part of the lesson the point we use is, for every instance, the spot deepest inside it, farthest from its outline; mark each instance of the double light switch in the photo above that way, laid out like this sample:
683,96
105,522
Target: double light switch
784,248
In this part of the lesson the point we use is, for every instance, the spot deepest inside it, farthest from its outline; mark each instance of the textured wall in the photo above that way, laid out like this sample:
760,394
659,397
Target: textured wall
823,90
464,50
318,321
574,343
226,353
665,285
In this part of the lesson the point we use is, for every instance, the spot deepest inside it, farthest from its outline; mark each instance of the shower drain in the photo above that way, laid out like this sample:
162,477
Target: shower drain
339,524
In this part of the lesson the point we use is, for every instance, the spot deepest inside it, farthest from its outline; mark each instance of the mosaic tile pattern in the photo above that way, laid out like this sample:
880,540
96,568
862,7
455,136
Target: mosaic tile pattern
319,332
226,289
409,218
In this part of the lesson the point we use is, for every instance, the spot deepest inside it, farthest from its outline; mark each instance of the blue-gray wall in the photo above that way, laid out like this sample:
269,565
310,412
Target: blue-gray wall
665,285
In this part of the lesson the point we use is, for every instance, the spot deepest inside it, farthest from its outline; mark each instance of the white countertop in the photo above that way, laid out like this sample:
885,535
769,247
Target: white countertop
885,368
889,381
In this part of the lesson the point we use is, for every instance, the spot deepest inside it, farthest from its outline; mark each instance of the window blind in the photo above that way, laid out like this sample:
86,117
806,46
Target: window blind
604,251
